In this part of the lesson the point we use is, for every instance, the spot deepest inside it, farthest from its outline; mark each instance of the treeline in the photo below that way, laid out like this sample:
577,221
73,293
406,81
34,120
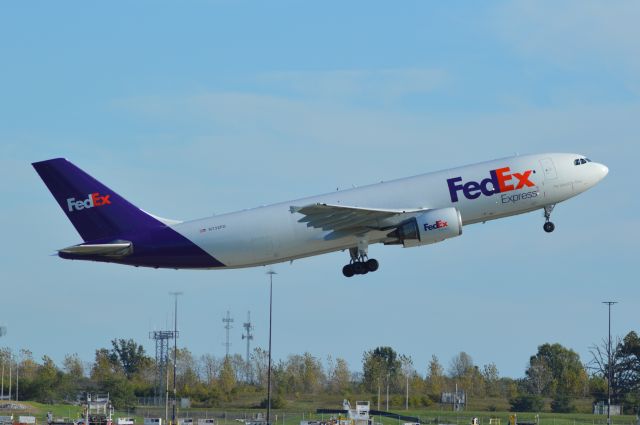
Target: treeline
554,373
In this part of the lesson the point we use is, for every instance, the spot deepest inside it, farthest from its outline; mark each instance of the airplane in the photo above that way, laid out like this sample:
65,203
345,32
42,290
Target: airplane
409,212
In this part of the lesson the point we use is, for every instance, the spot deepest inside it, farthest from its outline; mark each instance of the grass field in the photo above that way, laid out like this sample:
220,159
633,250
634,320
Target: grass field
304,410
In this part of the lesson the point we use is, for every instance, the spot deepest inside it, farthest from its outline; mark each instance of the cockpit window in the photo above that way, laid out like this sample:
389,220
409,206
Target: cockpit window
580,161
576,161
583,161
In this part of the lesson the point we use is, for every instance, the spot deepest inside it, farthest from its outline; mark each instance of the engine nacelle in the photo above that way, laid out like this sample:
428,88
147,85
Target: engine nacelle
430,227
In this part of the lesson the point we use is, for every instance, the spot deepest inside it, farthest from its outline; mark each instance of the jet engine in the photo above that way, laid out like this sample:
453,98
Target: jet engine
429,227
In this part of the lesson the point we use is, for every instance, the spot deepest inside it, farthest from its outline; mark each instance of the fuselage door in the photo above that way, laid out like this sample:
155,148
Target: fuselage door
549,169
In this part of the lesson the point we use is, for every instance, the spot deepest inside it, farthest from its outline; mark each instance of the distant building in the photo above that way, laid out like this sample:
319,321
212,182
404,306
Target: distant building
457,400
600,408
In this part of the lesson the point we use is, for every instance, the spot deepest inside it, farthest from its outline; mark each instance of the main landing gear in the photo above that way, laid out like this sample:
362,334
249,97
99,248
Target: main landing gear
360,263
548,225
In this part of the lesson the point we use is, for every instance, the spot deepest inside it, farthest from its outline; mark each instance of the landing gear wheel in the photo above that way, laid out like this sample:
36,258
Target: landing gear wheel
372,265
347,270
360,263
359,268
548,226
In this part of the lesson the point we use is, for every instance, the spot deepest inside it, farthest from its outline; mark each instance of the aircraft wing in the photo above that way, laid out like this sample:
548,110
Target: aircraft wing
342,219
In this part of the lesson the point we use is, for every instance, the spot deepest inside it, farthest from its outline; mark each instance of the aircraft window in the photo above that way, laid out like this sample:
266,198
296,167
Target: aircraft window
576,162
582,161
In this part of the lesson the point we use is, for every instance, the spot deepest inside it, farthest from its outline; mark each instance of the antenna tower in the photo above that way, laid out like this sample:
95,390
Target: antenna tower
227,325
162,339
248,327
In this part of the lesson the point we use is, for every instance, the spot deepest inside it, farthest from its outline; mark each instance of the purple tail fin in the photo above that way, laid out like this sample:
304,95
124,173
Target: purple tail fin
96,211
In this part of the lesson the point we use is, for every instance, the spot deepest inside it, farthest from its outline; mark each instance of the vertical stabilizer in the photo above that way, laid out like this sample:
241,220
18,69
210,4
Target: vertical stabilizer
96,211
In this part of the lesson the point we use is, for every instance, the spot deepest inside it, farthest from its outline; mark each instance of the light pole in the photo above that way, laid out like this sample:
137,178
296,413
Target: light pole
406,400
387,390
175,349
609,376
3,332
270,273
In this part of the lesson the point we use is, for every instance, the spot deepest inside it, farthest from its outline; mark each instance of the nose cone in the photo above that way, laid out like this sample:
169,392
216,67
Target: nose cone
602,171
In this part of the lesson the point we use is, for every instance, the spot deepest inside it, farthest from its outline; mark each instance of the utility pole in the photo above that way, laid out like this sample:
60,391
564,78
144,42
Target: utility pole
387,391
18,377
10,366
227,325
406,400
270,273
3,332
175,352
609,375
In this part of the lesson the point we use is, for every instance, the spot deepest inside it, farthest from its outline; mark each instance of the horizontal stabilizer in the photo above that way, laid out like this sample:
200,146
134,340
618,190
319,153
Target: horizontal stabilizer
120,249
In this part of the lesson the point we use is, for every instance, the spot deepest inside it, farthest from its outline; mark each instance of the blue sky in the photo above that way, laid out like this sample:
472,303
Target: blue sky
216,106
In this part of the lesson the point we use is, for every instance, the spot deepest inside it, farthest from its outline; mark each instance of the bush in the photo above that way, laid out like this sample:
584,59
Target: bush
419,401
562,404
526,403
397,401
277,402
426,401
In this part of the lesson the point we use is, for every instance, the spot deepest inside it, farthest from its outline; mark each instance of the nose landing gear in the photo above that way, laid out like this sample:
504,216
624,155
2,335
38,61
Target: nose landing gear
548,225
360,263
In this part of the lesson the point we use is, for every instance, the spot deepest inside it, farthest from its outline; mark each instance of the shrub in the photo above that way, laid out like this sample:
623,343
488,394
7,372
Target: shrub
526,403
562,404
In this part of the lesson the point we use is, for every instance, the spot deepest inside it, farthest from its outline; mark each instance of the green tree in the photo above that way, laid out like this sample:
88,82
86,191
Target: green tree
27,370
72,365
628,376
186,371
491,379
130,355
380,366
313,377
109,377
561,369
463,371
624,368
435,378
539,376
339,378
259,366
48,382
209,367
460,365
103,366
227,378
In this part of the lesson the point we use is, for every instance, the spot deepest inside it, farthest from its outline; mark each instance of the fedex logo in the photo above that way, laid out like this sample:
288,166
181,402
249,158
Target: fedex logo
93,200
501,180
439,224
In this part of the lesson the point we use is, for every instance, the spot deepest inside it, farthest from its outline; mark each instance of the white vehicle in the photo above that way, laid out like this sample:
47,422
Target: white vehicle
410,212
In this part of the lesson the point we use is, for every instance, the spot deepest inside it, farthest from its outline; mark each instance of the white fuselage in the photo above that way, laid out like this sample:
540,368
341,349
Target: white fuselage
273,233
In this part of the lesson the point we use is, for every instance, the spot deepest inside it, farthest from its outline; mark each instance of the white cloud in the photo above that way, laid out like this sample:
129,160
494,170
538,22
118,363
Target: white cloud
386,85
575,33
